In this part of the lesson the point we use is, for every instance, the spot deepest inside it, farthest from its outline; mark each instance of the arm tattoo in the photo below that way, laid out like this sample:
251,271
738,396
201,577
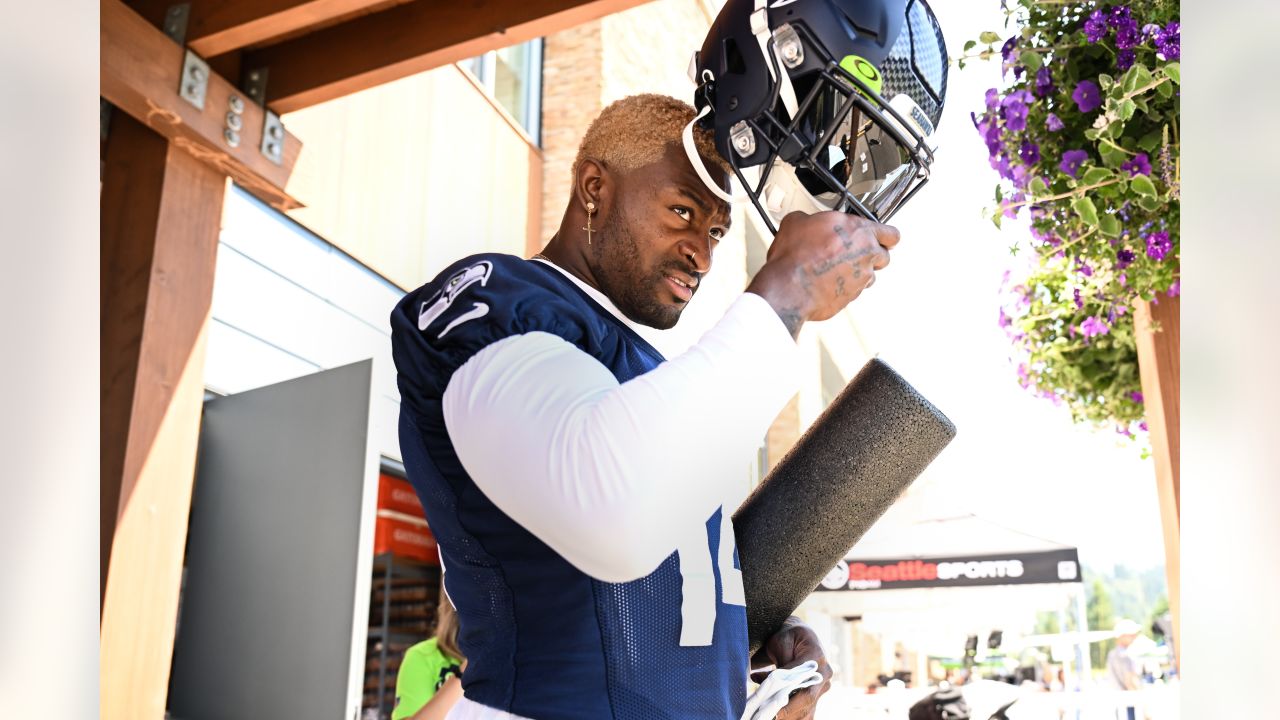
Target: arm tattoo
792,319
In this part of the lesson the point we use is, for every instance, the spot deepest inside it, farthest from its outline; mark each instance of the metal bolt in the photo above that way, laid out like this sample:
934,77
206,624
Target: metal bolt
276,132
236,104
254,76
192,89
232,137
234,122
733,103
197,73
743,139
790,51
273,149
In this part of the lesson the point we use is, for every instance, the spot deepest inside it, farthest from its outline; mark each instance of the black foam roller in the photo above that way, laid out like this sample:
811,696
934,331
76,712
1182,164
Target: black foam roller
872,442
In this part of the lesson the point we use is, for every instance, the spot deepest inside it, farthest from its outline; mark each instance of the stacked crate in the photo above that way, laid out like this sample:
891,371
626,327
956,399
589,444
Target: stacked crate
406,589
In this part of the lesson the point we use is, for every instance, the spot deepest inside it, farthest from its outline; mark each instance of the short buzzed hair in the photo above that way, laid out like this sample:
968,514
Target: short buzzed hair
636,130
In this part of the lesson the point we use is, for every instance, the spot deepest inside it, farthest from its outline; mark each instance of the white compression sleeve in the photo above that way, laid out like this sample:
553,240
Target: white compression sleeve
610,475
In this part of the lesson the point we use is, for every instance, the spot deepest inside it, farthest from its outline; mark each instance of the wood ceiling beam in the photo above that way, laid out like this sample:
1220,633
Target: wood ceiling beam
215,27
140,72
408,39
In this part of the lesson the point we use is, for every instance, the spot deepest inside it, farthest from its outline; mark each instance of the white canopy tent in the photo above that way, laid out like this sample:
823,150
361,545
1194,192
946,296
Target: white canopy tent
958,574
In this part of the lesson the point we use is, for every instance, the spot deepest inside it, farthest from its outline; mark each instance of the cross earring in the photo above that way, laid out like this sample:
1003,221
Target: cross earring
591,209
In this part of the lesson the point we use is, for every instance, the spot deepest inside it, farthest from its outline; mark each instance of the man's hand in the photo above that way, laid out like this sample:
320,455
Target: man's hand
819,263
794,644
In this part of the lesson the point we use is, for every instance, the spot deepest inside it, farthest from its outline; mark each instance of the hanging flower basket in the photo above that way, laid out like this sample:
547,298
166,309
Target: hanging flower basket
1084,139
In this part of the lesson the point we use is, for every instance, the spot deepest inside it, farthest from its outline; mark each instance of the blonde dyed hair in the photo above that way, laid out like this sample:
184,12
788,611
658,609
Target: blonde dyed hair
637,130
447,628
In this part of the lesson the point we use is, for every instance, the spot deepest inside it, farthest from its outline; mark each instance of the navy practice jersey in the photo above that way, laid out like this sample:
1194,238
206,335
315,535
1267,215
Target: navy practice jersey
543,639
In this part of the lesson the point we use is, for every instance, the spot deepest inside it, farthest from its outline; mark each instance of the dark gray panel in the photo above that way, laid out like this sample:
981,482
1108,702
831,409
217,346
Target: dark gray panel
274,552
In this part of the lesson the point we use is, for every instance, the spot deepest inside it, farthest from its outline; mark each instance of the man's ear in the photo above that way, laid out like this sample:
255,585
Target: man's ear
595,183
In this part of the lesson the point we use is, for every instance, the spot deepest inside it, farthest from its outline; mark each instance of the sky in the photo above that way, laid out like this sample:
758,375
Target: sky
932,315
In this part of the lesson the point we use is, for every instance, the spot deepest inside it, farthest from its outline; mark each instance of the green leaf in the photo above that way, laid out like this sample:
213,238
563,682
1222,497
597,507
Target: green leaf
1112,157
989,37
1095,175
1031,60
1174,71
1142,185
970,45
995,218
1039,187
1150,141
1150,204
999,193
1165,90
1105,81
1092,133
1129,80
1109,225
1127,109
1085,209
1142,76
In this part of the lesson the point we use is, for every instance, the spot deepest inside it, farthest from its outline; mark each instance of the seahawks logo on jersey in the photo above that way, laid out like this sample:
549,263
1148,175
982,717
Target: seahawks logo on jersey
432,309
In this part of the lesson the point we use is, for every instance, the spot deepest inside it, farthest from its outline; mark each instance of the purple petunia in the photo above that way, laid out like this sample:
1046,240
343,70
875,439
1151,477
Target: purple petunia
1015,115
1000,163
1075,295
1124,59
1158,245
1095,28
1168,42
1029,152
993,98
1124,258
1092,326
1139,164
1136,397
1087,96
1044,82
1119,17
1054,123
1175,289
1006,54
989,129
1072,160
1128,37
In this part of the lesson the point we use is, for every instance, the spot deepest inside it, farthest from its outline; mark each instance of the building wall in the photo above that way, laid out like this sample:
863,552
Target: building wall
414,174
286,304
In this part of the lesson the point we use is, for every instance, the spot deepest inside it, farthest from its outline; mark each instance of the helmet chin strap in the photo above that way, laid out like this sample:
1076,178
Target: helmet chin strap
691,149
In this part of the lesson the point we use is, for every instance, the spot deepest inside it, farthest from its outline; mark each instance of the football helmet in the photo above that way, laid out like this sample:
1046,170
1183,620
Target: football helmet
826,104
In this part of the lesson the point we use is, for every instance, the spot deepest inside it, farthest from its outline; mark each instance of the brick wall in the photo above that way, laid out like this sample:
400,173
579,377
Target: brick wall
644,49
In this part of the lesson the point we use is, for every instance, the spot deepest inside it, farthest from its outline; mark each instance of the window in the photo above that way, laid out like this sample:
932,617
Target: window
513,75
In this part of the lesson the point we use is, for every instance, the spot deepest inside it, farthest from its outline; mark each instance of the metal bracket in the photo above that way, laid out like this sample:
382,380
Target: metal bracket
194,82
104,118
175,22
255,85
273,138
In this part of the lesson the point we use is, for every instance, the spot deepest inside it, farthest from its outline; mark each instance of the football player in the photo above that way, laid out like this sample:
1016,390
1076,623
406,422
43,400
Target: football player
580,484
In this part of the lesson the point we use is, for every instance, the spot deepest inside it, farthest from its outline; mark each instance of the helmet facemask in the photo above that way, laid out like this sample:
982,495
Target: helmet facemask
833,141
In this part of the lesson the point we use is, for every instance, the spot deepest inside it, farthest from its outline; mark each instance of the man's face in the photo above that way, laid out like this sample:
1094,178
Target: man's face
651,252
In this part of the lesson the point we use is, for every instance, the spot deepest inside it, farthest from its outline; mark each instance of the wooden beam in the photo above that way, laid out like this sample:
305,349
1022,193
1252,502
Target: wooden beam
408,39
214,28
161,216
1157,328
141,68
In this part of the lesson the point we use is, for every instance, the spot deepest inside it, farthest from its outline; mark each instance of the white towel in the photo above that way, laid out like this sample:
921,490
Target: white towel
774,693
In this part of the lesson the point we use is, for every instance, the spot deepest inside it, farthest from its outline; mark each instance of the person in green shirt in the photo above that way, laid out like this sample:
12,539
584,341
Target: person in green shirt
428,683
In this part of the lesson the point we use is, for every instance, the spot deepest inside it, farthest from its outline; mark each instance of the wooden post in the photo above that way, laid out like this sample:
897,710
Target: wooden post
161,214
1157,332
